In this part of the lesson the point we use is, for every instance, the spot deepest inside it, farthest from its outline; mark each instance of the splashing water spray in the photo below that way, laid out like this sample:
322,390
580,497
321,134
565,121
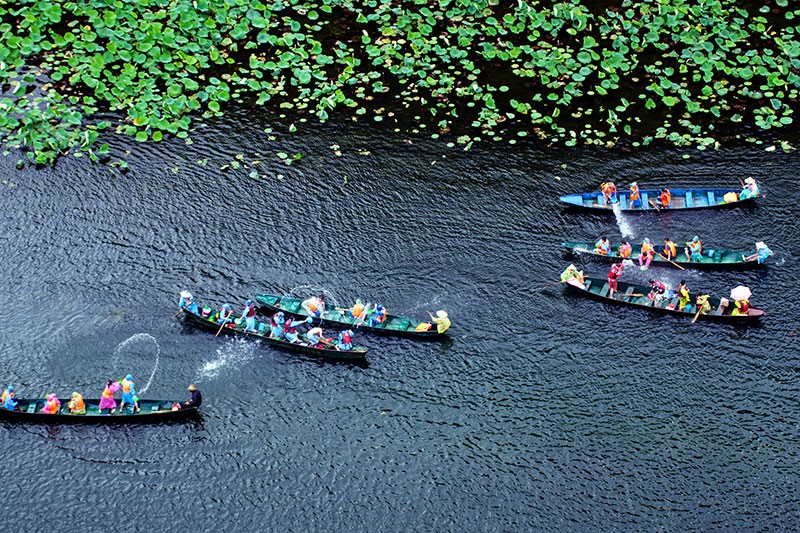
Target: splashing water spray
138,338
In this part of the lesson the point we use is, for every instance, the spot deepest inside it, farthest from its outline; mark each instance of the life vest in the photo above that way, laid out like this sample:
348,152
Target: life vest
4,396
634,193
346,339
313,305
625,250
670,249
287,326
608,188
77,403
223,315
423,326
126,386
380,317
666,198
743,305
647,249
613,273
250,312
658,287
51,407
357,310
108,393
602,247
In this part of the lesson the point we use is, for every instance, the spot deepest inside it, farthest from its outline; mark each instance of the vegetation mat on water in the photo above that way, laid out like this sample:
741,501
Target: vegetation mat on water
691,72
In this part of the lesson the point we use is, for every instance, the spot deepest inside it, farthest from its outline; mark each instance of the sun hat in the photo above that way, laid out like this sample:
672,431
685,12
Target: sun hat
760,244
186,294
695,238
441,314
750,180
191,387
129,377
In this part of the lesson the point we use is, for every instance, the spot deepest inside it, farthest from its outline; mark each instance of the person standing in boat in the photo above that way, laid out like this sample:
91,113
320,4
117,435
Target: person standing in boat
196,400
683,295
656,293
665,198
613,275
646,255
358,309
602,246
107,397
761,255
625,250
7,398
76,404
670,249
290,329
249,315
378,317
694,250
573,276
609,191
636,201
441,320
345,341
187,302
276,325
314,306
749,190
128,394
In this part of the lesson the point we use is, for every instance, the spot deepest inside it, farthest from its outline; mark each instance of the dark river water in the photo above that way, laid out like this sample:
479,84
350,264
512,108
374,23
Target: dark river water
544,412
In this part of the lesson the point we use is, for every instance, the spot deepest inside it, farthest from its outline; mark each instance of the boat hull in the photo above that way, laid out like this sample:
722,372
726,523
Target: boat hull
682,199
394,325
597,288
149,411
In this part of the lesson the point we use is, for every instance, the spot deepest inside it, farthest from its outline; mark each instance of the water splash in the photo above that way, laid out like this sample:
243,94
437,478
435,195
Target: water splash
304,291
622,222
136,338
233,355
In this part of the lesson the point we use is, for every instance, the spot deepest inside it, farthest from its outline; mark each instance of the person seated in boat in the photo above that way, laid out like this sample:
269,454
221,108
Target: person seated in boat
702,303
345,341
128,394
573,276
76,404
224,315
249,315
694,250
609,191
670,249
357,309
316,339
602,246
761,255
276,325
749,190
187,302
613,276
314,306
741,307
683,296
51,405
625,250
378,317
365,314
7,398
290,329
195,401
646,255
206,312
107,397
656,293
665,198
441,320
636,200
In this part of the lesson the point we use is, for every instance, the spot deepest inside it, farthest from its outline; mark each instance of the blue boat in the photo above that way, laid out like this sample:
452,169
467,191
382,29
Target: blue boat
710,198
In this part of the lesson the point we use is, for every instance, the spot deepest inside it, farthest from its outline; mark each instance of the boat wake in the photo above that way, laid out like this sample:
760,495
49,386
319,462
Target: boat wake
622,222
228,356
139,337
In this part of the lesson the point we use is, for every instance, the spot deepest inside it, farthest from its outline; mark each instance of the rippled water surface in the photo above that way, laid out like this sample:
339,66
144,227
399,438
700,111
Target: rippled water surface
544,411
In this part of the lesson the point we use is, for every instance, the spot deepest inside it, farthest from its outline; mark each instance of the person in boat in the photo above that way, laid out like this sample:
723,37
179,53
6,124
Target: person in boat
625,250
187,302
365,315
646,255
76,404
51,405
683,295
441,320
196,400
613,276
665,198
205,312
656,293
609,191
670,250
314,306
636,201
761,255
224,315
741,307
573,276
357,308
378,317
107,397
7,398
749,190
345,341
316,339
128,394
694,250
290,329
702,303
249,315
602,246
276,325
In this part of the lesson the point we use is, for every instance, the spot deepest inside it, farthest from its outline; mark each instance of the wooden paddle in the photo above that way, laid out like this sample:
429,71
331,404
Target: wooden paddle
179,312
697,315
654,205
223,325
601,205
551,284
637,294
673,262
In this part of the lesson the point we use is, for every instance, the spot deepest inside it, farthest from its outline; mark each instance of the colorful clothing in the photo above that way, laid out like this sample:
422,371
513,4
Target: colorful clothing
128,390
636,202
52,405
602,247
314,306
249,315
646,256
742,308
187,302
107,398
225,313
345,340
670,250
625,250
665,198
7,398
379,317
76,404
683,297
694,250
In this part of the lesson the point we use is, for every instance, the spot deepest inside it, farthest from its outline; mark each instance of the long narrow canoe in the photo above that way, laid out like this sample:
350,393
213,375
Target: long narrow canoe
636,296
357,354
393,325
713,259
29,410
681,199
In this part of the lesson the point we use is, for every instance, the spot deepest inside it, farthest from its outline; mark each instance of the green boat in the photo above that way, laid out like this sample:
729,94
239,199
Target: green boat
713,258
339,317
29,410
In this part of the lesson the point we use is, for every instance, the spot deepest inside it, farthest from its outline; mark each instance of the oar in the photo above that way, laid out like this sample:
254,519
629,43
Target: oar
179,312
601,205
551,284
673,262
654,205
637,294
697,315
740,181
223,325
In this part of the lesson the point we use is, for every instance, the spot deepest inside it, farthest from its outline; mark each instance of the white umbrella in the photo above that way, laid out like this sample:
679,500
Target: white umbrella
740,293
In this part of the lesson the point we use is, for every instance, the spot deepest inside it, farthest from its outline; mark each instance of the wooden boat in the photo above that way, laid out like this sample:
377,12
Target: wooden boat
636,296
704,198
712,258
29,410
357,354
393,325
